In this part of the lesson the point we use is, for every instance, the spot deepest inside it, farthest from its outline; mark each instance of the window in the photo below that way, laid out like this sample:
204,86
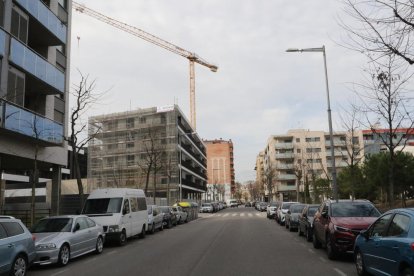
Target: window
142,204
134,204
3,233
379,227
125,209
19,25
12,228
399,225
15,87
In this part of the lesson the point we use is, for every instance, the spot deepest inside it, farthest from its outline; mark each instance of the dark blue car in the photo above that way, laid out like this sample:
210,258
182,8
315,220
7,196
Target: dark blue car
387,246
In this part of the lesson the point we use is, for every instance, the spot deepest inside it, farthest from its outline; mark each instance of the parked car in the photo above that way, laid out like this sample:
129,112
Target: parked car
121,211
61,238
386,248
336,224
306,221
282,210
292,216
17,248
206,208
271,209
169,219
180,214
155,219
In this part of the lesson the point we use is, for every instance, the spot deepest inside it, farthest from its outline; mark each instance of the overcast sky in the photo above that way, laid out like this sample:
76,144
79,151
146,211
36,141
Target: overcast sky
259,90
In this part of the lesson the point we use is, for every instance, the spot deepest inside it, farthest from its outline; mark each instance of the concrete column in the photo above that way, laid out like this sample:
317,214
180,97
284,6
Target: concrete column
56,186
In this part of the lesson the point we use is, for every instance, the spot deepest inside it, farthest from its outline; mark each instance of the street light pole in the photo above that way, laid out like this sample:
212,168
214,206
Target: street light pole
322,49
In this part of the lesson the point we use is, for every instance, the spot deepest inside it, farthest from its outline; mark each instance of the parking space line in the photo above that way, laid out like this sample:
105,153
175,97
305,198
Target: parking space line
311,251
322,259
60,272
340,272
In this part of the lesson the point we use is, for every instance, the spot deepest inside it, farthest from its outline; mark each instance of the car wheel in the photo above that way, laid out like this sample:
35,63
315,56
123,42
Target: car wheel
308,235
330,249
316,242
359,264
19,267
152,229
407,272
64,255
122,238
99,245
142,235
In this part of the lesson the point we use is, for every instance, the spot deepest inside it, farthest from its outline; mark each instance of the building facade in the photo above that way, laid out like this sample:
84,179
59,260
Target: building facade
220,169
302,154
34,84
153,149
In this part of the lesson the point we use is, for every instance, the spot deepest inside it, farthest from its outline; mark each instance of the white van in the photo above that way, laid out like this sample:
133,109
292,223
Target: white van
121,211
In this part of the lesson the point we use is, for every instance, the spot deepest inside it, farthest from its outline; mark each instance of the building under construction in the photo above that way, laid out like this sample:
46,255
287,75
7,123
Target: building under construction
154,149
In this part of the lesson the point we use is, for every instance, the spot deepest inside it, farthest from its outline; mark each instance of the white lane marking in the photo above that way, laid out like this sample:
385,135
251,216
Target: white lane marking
60,272
311,251
112,252
340,272
242,214
250,215
225,215
322,259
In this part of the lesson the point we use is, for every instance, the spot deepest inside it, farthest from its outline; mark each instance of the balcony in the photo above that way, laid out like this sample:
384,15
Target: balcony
286,177
47,19
30,124
284,146
38,67
288,155
285,166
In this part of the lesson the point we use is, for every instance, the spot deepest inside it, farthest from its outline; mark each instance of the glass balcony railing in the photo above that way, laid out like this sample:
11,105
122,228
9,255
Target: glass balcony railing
46,17
30,124
36,65
2,42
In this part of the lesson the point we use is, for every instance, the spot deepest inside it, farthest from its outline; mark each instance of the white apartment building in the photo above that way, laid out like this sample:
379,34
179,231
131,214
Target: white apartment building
307,152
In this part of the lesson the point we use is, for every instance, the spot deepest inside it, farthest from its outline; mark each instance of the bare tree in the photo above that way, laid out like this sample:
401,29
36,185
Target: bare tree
84,98
386,101
380,28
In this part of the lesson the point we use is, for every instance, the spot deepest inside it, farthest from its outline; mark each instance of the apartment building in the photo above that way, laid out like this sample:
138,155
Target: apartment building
130,146
220,169
34,81
301,152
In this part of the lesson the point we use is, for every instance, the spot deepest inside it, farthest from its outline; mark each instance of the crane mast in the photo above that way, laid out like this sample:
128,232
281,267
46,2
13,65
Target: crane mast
192,57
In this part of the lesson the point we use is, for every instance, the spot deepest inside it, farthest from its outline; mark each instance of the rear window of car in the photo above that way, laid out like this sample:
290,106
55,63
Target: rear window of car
349,209
12,228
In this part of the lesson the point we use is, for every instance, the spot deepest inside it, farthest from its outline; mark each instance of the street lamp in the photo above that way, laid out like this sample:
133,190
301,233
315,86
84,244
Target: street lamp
322,49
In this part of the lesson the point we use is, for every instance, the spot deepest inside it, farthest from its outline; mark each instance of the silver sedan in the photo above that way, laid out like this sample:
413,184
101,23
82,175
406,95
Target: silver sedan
61,238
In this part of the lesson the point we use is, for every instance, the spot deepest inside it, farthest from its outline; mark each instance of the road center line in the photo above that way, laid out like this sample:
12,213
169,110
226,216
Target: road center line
340,272
60,272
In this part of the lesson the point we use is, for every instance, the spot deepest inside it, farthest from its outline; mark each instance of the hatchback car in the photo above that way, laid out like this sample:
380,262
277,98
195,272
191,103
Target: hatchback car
387,247
292,216
306,221
17,249
155,219
336,224
61,238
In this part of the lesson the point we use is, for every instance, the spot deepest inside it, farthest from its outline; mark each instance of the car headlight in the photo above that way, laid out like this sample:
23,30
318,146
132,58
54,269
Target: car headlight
341,229
113,228
45,246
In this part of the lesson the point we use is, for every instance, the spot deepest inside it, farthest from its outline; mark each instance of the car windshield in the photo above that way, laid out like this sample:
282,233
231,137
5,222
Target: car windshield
103,205
312,211
296,208
53,225
347,209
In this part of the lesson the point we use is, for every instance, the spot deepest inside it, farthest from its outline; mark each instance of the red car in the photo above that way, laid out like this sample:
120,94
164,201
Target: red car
337,224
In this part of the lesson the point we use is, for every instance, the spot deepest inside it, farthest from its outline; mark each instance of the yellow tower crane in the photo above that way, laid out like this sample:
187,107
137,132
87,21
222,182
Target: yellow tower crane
192,57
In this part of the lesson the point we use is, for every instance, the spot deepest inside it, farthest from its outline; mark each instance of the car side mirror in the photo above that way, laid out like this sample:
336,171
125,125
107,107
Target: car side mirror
77,227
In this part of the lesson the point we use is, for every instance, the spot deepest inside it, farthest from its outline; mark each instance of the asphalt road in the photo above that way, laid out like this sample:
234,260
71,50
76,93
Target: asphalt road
238,241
